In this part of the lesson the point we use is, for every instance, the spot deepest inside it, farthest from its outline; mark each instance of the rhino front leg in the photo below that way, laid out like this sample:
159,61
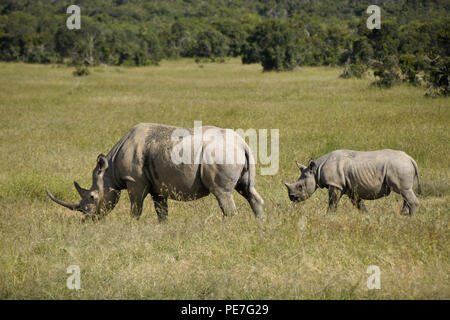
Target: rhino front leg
334,195
137,193
161,207
226,203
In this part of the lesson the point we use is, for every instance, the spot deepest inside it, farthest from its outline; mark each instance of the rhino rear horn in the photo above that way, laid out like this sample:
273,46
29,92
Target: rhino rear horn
69,205
82,192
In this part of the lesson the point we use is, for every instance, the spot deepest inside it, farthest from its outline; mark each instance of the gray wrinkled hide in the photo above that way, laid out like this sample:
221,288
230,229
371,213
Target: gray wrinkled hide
141,163
362,175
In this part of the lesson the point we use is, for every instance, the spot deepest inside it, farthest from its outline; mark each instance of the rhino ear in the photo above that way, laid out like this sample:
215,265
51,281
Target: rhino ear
300,166
102,162
312,165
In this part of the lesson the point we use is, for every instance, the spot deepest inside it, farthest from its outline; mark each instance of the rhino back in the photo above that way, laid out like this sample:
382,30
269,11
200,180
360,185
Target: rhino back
146,156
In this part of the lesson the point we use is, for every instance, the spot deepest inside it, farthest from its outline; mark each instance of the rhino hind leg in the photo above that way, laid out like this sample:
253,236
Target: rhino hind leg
358,203
405,208
161,207
226,203
361,206
253,198
410,202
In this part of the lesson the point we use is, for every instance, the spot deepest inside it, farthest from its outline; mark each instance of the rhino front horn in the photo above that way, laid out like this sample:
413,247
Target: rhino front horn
69,205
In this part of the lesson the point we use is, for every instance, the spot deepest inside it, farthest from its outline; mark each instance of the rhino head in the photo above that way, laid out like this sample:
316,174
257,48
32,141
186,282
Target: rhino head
100,199
305,185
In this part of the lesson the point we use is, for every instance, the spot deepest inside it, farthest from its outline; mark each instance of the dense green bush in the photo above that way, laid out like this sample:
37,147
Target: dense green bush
387,71
275,44
251,53
211,43
354,70
410,67
437,76
81,70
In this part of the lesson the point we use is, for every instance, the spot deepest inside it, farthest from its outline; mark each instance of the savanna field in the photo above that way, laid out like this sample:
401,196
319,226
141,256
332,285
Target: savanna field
53,125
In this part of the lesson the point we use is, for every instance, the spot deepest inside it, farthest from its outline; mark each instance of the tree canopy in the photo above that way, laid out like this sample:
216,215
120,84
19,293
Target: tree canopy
280,34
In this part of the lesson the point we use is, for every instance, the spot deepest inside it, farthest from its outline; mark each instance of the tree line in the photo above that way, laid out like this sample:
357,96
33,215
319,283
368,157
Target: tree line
279,34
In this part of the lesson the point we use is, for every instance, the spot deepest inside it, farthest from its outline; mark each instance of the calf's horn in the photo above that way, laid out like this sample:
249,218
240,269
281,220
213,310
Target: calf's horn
300,166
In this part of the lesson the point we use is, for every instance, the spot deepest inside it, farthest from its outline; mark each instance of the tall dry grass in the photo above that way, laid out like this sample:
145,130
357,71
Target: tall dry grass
53,126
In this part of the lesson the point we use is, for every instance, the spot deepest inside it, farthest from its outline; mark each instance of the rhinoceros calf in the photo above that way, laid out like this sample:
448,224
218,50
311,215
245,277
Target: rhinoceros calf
143,162
360,175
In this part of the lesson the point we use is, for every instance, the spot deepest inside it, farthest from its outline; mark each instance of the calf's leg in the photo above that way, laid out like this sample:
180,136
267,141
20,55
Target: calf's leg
405,208
358,203
361,206
334,195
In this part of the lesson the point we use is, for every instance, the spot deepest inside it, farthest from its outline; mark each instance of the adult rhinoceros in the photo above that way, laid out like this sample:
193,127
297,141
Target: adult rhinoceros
360,175
170,163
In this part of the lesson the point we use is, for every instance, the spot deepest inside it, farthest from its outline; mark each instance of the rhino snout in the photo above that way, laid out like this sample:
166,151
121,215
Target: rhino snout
291,193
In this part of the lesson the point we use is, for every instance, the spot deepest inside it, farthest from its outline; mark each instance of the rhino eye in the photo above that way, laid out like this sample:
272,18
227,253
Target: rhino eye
300,187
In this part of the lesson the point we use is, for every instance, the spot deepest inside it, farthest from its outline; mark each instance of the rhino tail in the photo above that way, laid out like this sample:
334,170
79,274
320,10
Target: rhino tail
419,188
250,166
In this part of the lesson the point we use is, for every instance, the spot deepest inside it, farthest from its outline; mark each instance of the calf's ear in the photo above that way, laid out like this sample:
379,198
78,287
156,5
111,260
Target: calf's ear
300,166
312,165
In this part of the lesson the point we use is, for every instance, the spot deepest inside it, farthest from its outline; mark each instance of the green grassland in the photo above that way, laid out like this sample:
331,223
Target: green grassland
53,125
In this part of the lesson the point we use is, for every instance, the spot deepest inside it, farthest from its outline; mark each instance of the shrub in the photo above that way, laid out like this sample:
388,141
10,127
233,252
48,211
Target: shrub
354,70
437,77
275,44
81,70
211,44
410,66
251,53
387,71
